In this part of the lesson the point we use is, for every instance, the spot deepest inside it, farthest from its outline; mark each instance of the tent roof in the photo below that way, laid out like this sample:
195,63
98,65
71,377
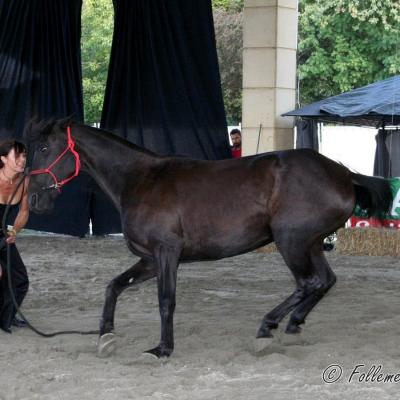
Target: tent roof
369,105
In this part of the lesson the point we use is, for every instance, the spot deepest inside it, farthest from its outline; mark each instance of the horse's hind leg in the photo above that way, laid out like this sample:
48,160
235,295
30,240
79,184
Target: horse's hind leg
323,281
140,272
272,319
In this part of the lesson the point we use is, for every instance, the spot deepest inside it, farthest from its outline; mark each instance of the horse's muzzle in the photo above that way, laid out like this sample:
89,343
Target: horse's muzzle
38,206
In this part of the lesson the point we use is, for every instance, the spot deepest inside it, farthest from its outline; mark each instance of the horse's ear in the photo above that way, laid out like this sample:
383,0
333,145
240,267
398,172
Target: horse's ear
64,122
28,129
35,127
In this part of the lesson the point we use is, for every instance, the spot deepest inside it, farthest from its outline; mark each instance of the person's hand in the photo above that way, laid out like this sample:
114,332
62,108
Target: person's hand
12,236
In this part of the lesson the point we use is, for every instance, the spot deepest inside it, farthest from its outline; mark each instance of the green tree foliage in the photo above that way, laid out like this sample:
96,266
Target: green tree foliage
97,30
228,24
345,44
228,4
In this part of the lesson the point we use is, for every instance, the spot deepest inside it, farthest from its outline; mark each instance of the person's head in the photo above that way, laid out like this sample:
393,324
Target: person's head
236,137
12,155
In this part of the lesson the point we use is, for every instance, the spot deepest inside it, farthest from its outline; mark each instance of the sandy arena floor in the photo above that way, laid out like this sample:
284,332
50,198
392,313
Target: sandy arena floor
219,308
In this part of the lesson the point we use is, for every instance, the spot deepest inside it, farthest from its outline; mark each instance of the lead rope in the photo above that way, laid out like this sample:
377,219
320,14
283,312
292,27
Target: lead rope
10,284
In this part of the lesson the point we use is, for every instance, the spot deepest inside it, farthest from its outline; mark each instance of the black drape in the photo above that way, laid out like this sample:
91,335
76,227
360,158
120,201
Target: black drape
307,134
163,89
387,155
40,75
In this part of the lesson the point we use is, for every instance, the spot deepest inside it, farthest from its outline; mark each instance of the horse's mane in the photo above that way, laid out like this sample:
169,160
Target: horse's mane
112,136
37,129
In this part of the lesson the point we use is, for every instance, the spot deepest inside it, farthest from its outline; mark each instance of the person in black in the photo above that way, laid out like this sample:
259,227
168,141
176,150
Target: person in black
12,164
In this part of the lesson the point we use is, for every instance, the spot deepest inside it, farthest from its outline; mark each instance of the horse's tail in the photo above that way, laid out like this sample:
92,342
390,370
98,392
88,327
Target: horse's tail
372,193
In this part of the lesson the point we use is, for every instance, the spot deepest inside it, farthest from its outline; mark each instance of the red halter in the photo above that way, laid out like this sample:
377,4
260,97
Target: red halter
58,184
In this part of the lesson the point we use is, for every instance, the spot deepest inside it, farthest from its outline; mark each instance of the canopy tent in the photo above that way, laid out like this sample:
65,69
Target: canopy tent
375,105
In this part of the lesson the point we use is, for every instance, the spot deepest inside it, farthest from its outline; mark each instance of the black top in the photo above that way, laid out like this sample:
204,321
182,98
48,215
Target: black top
12,213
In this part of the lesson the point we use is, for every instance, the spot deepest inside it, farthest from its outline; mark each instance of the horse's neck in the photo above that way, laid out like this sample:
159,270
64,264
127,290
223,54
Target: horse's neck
110,162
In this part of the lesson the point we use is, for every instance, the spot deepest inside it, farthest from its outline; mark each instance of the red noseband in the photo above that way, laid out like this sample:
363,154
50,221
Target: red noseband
70,148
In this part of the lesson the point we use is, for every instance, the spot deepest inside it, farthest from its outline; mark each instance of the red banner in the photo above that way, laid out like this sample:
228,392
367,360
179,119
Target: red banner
389,220
360,222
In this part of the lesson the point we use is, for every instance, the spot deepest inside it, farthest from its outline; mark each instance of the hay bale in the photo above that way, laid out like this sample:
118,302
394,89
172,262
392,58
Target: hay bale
269,248
360,242
368,242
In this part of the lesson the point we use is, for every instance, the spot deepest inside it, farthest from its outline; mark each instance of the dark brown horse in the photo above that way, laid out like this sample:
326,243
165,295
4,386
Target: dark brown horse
177,210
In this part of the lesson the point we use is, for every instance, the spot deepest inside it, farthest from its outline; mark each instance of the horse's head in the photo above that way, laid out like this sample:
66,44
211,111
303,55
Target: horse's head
53,161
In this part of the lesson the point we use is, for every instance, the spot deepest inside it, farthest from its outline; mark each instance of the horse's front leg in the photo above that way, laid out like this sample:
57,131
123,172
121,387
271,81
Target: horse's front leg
140,272
167,259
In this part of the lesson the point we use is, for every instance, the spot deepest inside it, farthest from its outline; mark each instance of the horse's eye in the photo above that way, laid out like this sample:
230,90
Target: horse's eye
43,148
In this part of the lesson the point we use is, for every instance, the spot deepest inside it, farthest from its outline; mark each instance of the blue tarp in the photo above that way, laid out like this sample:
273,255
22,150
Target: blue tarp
373,104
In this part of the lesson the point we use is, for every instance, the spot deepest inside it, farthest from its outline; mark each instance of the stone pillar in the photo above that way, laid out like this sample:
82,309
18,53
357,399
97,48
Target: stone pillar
269,74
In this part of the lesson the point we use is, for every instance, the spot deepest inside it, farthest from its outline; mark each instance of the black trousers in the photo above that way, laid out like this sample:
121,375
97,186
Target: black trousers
20,283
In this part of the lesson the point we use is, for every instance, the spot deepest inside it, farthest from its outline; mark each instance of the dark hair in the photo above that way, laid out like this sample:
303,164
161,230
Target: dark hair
235,131
7,145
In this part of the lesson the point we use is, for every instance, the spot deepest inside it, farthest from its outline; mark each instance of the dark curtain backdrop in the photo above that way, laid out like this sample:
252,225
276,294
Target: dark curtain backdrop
387,155
163,90
40,75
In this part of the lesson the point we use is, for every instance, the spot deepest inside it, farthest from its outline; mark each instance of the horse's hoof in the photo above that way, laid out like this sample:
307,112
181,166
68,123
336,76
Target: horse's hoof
106,345
159,352
147,355
293,329
264,332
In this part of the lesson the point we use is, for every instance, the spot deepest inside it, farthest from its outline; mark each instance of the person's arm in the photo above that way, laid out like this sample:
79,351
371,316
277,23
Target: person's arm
22,216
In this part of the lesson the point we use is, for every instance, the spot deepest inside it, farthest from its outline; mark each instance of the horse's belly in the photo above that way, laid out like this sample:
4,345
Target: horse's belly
217,246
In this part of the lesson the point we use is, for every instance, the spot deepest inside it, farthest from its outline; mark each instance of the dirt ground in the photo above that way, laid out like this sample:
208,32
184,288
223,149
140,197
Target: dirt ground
219,308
